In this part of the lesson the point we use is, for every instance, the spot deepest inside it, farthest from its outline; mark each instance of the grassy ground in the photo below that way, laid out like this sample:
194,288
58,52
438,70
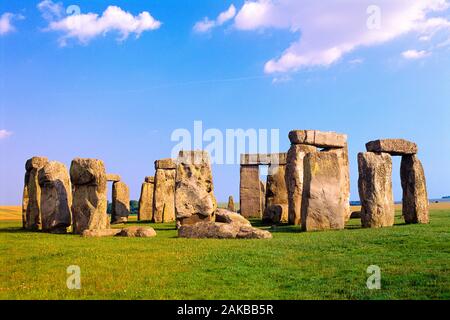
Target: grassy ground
414,261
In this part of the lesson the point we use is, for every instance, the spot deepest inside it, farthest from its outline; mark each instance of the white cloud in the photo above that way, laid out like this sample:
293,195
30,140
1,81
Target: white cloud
6,25
206,24
330,29
5,134
51,10
85,27
414,54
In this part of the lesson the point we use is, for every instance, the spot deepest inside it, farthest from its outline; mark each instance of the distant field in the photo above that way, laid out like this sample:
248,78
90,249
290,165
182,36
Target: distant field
10,213
414,262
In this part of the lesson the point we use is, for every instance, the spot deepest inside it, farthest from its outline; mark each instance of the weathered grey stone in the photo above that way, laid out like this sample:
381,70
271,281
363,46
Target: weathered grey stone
276,210
113,177
166,164
250,192
145,211
375,190
318,139
137,232
395,147
31,203
100,233
230,205
226,216
56,197
89,205
263,159
263,197
342,154
323,203
194,190
120,203
415,195
164,193
216,230
294,180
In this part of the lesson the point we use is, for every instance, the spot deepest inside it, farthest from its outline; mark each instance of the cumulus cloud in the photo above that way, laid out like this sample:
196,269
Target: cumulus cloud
5,134
86,26
206,24
330,29
6,25
414,54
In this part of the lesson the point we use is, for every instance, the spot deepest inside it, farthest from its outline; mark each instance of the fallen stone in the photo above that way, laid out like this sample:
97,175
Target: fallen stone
216,230
355,215
375,190
415,195
56,197
294,180
137,232
226,216
31,203
318,139
120,203
194,189
323,203
89,205
113,177
100,233
395,147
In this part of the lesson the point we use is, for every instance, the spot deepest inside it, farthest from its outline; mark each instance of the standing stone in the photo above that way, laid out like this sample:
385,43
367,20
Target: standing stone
56,197
262,196
250,192
89,205
342,154
164,194
145,211
294,180
415,195
276,210
120,203
231,206
31,204
323,204
194,191
375,189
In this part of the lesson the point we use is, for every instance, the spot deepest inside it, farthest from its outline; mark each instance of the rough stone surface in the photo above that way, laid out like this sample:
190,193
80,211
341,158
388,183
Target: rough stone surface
226,216
216,230
395,147
318,139
145,211
31,203
150,179
194,189
276,210
89,205
100,233
323,203
415,195
231,206
344,164
113,177
375,190
56,197
166,164
263,159
120,203
164,195
294,180
262,196
250,192
137,232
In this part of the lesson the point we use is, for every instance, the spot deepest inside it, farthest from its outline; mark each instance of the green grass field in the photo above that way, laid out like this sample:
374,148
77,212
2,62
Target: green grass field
414,261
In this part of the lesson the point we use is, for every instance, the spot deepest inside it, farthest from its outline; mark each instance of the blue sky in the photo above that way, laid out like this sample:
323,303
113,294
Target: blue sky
118,97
